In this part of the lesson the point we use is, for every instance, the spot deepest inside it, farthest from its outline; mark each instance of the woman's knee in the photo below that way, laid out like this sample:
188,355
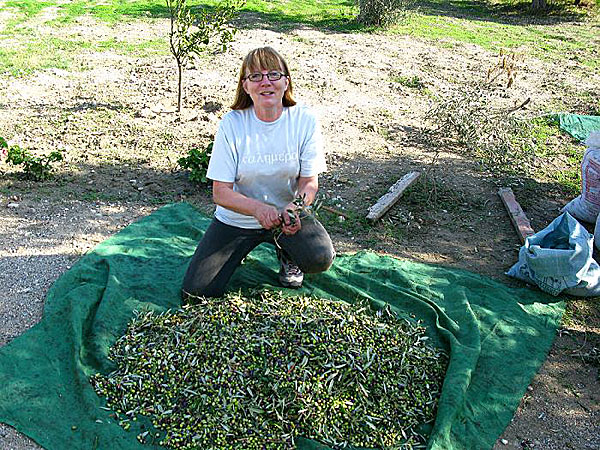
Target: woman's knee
190,293
201,282
318,261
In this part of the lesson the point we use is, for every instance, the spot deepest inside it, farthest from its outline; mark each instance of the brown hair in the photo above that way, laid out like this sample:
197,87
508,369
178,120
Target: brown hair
264,58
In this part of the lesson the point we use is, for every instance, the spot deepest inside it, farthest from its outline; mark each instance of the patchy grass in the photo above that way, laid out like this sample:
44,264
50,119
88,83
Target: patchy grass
331,12
558,156
581,313
26,57
29,8
413,82
564,32
569,177
557,35
108,11
43,52
137,48
354,224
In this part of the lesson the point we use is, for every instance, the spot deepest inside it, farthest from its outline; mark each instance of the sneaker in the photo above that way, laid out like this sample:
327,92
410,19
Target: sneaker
290,275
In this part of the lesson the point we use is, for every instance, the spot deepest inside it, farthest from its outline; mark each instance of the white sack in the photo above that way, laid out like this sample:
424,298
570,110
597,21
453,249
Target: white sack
586,207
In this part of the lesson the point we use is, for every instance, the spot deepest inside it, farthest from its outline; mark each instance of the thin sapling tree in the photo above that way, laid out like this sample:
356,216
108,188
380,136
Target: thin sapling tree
192,32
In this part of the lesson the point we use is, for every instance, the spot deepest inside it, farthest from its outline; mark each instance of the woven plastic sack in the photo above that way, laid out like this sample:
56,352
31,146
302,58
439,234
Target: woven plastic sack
586,207
559,259
597,233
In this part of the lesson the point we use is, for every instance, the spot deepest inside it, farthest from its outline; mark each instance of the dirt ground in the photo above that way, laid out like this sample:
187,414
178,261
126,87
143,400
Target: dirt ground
114,117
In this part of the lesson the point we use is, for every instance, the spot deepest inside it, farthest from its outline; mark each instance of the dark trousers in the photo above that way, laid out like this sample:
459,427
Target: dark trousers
223,247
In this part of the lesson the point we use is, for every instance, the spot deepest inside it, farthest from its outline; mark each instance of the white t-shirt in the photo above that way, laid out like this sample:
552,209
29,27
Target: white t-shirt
263,160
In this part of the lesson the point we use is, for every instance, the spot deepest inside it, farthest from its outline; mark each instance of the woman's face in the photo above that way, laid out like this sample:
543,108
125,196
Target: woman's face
266,94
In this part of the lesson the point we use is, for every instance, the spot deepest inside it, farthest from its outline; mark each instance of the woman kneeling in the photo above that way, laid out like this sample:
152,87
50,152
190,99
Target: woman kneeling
268,152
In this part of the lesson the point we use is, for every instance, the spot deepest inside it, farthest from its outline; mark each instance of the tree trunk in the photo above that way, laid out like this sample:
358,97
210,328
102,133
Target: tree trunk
180,85
538,5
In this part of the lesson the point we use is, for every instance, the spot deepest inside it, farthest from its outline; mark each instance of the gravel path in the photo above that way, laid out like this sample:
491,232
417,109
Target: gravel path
40,241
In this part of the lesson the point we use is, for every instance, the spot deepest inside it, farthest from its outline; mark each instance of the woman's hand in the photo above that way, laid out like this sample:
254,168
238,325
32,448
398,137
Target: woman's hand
225,196
291,222
267,216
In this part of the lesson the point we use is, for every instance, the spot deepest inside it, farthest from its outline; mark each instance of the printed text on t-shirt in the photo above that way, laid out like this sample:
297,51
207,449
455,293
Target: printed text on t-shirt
270,158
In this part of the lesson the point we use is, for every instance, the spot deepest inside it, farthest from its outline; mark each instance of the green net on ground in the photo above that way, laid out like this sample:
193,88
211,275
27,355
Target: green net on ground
497,337
577,125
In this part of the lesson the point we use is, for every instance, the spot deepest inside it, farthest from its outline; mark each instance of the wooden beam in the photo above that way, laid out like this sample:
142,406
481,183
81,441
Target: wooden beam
392,196
516,214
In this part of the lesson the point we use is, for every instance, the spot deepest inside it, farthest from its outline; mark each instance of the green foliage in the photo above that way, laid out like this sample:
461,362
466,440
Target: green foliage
192,32
382,13
410,82
352,223
439,195
197,163
344,375
542,130
37,168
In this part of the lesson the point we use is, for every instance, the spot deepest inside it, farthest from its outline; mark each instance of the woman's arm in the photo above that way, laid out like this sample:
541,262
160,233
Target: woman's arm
225,196
307,188
267,215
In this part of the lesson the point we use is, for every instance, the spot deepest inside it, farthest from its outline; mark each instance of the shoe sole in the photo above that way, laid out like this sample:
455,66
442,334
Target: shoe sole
291,285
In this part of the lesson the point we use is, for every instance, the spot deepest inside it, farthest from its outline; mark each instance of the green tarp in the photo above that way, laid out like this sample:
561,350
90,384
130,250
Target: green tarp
577,125
497,337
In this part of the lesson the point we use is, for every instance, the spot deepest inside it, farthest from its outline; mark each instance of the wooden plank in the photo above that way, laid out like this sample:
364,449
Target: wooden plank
393,194
516,214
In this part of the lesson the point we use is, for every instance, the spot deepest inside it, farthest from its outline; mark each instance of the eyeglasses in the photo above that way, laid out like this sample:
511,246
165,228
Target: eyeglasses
271,76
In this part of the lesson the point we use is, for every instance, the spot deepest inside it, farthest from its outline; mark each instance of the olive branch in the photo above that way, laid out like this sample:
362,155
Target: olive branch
301,209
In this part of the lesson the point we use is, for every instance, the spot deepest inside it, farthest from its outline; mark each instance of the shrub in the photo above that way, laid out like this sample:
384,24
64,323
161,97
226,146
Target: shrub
37,168
197,163
382,13
494,135
3,147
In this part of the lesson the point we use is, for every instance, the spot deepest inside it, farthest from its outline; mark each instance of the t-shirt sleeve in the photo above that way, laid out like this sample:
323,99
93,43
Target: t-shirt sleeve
223,161
312,154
